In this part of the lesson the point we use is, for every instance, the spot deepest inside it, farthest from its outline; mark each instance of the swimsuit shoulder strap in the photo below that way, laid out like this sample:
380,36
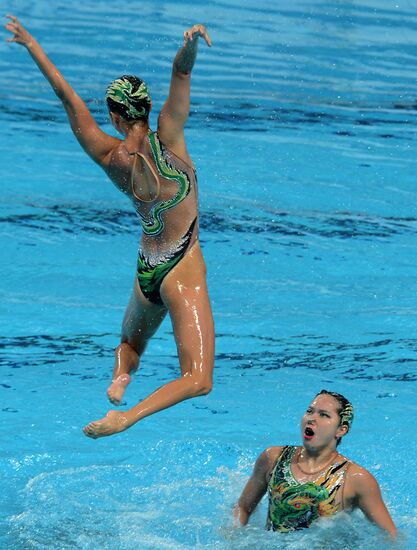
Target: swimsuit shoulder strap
336,469
334,476
282,464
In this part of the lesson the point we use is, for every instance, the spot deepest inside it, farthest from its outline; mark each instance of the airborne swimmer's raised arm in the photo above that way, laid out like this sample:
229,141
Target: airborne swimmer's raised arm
94,141
175,111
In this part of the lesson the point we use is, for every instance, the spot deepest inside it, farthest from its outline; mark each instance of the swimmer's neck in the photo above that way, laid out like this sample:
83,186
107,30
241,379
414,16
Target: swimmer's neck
318,454
132,130
135,131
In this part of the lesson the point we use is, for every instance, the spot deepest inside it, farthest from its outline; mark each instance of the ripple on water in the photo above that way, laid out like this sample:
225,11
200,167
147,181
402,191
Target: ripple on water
374,359
256,218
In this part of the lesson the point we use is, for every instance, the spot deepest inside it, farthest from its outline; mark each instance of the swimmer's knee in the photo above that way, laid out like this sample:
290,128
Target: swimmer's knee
205,388
201,386
198,375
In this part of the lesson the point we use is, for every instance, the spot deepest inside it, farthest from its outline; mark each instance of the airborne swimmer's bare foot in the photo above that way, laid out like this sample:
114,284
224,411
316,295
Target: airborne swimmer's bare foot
112,423
117,388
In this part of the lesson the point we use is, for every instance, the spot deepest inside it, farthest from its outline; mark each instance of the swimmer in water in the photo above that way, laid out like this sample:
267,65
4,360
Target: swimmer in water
157,174
313,481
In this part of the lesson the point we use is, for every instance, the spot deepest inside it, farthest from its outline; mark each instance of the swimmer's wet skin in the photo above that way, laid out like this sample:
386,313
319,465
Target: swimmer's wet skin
155,171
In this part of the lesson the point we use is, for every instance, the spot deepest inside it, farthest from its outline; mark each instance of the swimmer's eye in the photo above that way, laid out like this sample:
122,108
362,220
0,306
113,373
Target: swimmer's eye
309,410
325,414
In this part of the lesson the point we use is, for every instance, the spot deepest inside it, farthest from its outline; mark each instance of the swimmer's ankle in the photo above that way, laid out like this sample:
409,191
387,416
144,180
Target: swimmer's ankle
127,358
123,379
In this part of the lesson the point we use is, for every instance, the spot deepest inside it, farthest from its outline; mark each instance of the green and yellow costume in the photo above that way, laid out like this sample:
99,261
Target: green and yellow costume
294,505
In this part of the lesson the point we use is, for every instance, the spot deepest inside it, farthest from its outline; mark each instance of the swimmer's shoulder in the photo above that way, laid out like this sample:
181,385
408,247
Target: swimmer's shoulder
175,142
118,166
358,480
119,155
112,145
355,470
268,458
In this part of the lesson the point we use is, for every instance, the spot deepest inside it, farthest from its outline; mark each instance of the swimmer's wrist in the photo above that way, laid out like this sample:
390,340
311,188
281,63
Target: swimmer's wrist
29,41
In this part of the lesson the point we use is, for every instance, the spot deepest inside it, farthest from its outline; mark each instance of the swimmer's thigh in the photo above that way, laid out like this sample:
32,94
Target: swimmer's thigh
185,294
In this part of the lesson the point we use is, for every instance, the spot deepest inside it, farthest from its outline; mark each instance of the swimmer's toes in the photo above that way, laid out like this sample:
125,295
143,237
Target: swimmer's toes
88,432
112,423
92,430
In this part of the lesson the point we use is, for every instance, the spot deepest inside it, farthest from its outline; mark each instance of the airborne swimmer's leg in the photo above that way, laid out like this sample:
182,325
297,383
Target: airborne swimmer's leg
184,291
142,319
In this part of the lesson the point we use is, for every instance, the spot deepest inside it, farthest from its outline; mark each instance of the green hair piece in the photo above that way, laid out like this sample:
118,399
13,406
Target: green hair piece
135,102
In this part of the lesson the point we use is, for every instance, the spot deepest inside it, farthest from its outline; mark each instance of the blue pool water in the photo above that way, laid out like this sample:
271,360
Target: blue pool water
303,129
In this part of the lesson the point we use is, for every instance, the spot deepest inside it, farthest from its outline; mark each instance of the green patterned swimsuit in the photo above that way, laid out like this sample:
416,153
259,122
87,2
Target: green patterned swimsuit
152,271
294,505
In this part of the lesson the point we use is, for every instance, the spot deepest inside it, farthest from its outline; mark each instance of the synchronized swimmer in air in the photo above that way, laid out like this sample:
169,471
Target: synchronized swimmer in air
154,169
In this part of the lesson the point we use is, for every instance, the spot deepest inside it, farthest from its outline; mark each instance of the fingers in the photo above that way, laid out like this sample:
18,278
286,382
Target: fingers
12,26
205,34
20,34
195,32
13,23
187,37
207,38
12,30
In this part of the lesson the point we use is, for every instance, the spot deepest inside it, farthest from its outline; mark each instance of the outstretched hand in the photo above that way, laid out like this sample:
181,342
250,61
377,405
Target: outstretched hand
20,34
195,32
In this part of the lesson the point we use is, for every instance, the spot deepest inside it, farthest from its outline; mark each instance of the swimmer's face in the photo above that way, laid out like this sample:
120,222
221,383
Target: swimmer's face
320,424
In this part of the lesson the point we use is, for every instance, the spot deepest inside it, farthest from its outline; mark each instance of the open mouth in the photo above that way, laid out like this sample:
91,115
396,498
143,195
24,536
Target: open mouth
308,432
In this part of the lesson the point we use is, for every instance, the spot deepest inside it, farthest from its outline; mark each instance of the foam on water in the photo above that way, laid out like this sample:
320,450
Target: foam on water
115,506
